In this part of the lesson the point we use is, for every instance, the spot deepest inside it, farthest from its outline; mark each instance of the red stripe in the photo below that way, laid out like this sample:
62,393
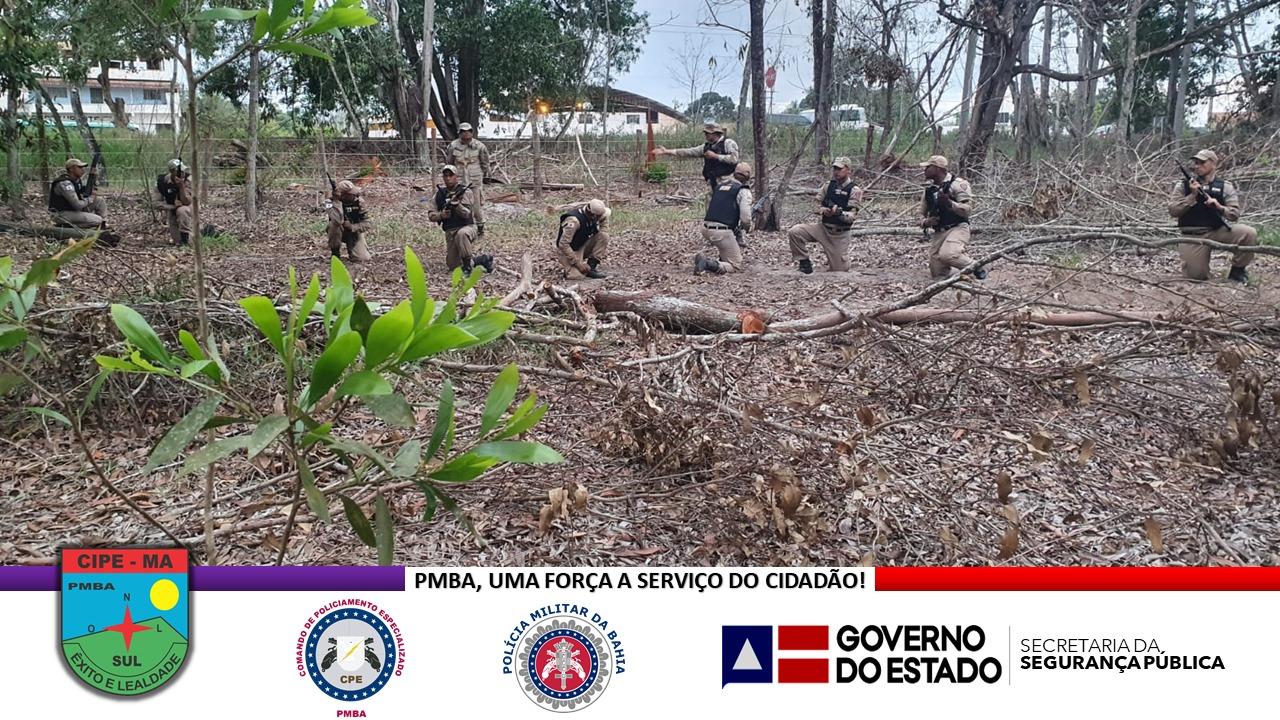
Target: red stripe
802,637
802,670
1077,578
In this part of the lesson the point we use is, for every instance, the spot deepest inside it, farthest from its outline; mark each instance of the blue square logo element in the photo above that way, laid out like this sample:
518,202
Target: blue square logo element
746,654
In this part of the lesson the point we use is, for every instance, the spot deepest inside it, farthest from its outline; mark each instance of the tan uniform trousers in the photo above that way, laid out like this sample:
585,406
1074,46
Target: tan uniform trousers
723,240
179,222
93,215
834,242
1195,257
946,251
574,262
357,249
457,245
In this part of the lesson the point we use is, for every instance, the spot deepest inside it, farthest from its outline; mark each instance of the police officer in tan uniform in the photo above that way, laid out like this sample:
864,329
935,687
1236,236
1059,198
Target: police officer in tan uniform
728,211
71,203
348,222
1208,207
471,158
945,208
173,195
581,242
453,207
719,154
839,200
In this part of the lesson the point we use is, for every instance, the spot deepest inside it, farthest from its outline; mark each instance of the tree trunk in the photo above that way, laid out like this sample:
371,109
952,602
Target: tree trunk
251,162
57,119
197,242
966,102
86,132
13,170
1046,127
1172,101
1083,110
822,113
1178,120
428,46
1026,123
42,144
1241,42
761,183
817,41
361,126
119,117
445,112
1123,127
1001,38
469,68
743,93
537,152
398,94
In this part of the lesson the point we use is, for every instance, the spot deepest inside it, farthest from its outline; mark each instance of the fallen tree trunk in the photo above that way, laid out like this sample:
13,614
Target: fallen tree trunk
552,186
692,318
52,231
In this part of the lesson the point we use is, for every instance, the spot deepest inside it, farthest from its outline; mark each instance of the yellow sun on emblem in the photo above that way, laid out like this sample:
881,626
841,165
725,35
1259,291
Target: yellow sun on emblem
164,594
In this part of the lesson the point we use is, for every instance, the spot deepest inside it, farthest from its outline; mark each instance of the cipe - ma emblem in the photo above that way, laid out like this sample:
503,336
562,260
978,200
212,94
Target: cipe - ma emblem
350,652
563,657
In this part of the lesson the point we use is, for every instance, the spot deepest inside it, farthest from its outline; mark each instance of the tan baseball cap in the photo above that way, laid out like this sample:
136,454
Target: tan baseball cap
742,169
464,126
713,128
842,162
449,170
1206,155
74,162
937,160
347,187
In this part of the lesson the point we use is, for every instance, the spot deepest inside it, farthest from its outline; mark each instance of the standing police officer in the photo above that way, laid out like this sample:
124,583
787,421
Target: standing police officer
719,154
471,158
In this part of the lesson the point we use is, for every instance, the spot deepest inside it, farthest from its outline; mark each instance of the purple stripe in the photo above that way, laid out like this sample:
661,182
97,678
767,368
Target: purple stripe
294,577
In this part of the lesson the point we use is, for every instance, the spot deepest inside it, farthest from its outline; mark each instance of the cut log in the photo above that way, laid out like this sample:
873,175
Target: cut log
51,231
552,186
693,318
673,313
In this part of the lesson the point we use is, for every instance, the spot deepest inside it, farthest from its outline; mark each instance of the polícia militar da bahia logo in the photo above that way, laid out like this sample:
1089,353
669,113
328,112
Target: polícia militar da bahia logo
350,649
125,616
563,656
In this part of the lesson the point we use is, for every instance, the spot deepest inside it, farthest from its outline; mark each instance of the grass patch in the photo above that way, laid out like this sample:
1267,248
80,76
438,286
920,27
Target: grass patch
221,241
1269,236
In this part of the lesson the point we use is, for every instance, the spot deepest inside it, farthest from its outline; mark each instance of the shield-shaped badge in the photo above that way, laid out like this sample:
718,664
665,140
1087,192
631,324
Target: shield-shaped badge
126,625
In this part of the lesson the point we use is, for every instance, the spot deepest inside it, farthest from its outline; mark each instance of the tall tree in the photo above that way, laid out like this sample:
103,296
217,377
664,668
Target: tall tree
824,86
761,179
1130,71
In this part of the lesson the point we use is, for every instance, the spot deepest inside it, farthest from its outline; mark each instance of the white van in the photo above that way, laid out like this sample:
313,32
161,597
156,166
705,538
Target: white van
843,117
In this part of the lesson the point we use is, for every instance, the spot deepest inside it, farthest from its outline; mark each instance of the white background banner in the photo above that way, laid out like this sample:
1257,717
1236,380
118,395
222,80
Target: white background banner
670,653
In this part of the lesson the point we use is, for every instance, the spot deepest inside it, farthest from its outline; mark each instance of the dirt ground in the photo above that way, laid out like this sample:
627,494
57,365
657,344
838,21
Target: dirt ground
990,442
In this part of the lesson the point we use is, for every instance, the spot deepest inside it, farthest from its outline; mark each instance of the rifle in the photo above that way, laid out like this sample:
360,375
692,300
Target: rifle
1201,195
92,183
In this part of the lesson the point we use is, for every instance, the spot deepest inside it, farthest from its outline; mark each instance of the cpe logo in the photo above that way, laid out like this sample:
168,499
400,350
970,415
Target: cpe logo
747,654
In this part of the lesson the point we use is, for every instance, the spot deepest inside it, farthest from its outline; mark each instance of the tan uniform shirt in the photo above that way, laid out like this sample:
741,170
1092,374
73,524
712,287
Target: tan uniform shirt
730,151
961,197
462,209
1180,202
337,215
855,197
745,200
471,159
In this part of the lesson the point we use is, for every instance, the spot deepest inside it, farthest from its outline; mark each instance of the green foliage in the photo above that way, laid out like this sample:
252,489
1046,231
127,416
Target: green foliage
711,105
366,358
656,173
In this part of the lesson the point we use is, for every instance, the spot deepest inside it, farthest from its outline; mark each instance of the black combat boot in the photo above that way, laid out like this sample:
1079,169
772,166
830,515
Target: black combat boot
699,264
806,266
592,262
980,273
467,266
184,239
485,261
1238,274
479,229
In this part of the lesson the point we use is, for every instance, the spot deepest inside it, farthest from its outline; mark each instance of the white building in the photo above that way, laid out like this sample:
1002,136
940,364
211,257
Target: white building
145,87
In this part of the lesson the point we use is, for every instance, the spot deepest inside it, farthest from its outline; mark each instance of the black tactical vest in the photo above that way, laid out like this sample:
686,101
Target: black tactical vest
353,211
453,222
947,217
57,203
1201,215
587,226
839,197
723,207
167,188
713,169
